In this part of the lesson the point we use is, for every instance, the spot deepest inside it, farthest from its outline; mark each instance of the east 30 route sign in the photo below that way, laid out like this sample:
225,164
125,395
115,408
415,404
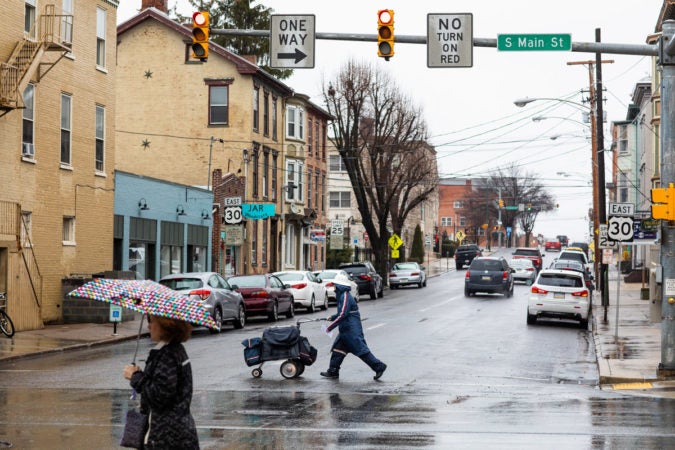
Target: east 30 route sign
292,41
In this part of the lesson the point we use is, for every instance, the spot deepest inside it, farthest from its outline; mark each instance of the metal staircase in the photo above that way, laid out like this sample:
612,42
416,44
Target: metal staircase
28,59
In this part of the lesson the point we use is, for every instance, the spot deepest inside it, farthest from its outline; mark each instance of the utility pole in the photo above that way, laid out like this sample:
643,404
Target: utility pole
499,217
667,59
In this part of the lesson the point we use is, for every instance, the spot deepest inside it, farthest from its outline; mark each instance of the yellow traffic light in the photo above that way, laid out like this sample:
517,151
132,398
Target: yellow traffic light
501,203
200,35
385,33
664,199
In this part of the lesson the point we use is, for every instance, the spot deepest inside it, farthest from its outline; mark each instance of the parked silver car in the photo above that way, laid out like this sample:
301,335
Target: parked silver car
209,288
329,275
406,274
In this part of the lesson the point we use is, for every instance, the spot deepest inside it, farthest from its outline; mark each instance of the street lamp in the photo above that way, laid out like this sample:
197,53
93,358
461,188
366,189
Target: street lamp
524,101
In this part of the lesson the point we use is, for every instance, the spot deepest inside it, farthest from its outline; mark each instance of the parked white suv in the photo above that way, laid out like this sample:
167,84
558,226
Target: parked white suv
561,294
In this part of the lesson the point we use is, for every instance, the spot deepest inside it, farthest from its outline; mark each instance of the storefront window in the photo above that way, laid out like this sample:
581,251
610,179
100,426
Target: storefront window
169,260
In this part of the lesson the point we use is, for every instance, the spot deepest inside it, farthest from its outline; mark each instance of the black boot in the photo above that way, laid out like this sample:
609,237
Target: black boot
378,366
331,373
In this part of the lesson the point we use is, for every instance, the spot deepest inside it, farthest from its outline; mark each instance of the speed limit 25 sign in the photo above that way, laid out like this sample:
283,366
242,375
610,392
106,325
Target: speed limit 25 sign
620,228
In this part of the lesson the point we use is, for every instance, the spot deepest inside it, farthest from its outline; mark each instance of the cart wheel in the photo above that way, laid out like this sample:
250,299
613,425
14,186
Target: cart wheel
256,372
301,368
289,369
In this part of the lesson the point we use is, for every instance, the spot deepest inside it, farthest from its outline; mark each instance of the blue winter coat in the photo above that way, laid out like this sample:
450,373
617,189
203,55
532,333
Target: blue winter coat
348,322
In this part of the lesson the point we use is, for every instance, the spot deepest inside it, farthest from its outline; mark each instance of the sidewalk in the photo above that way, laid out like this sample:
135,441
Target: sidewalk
629,362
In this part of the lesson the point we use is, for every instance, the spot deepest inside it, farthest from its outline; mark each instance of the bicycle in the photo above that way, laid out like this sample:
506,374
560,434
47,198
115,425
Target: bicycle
6,324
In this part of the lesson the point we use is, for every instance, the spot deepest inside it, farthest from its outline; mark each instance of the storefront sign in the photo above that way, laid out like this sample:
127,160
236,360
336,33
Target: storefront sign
317,235
234,234
257,211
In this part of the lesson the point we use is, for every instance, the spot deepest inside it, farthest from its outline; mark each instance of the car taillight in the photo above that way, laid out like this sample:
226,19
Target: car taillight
330,284
455,256
583,293
299,286
505,275
201,293
477,253
415,274
392,275
365,277
468,274
537,290
531,269
259,294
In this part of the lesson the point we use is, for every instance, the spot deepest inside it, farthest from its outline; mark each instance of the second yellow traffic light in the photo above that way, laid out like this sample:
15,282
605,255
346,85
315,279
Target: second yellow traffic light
501,203
385,33
664,199
200,35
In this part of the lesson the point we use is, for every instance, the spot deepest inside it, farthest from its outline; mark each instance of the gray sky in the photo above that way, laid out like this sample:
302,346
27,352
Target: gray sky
472,120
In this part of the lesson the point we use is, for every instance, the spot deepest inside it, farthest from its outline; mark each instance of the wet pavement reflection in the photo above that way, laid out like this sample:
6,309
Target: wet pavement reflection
85,419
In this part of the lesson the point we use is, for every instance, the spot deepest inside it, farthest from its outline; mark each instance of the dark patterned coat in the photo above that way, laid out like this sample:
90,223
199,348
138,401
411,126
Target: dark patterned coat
165,386
348,322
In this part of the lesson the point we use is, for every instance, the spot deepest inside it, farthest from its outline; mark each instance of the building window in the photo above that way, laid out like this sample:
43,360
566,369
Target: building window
336,164
266,114
66,109
323,142
100,37
623,140
294,177
67,22
68,230
295,117
274,118
170,260
256,108
100,138
310,140
309,187
263,246
290,244
339,199
462,221
275,161
254,243
218,100
316,188
27,139
458,204
316,138
255,159
29,18
323,191
266,171
446,221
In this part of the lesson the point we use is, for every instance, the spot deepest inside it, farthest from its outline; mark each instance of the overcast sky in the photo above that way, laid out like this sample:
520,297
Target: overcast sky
470,112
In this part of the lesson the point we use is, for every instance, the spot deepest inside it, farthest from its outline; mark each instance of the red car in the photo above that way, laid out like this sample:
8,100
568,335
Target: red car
553,245
264,295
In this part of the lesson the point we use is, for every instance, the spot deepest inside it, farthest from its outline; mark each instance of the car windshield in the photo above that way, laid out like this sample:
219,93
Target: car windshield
573,256
354,269
290,276
560,280
486,264
526,252
248,281
568,264
326,275
405,266
182,284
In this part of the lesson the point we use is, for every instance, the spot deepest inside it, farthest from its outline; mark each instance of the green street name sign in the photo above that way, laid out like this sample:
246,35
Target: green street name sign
534,42
511,208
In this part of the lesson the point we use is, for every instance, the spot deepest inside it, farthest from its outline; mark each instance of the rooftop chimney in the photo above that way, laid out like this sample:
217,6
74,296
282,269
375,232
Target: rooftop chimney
158,4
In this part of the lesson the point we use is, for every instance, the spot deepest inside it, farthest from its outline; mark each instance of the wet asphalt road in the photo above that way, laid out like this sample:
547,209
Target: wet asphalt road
463,373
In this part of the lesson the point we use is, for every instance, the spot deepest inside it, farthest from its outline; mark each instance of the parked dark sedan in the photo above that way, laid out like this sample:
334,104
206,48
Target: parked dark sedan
264,295
366,277
214,291
489,274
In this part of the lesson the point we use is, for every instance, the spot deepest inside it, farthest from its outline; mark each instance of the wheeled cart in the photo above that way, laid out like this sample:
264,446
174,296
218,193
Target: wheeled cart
279,343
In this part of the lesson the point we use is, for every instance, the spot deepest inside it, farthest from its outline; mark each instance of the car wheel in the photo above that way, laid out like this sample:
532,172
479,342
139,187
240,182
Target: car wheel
425,283
312,306
510,293
458,266
324,306
240,320
291,310
393,286
373,293
218,319
467,292
583,324
381,293
531,318
273,316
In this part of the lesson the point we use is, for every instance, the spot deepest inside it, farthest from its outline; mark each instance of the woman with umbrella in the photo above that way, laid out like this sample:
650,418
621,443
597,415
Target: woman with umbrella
165,386
350,339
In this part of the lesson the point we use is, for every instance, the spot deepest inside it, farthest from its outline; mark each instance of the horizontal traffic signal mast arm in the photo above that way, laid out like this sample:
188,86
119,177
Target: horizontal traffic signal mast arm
585,47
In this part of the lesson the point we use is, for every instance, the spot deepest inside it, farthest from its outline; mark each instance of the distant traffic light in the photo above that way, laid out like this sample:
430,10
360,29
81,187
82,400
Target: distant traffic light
665,203
385,33
200,35
501,203
529,206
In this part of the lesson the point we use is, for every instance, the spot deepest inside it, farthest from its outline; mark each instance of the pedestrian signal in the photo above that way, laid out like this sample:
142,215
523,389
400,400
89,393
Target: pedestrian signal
385,33
664,199
200,35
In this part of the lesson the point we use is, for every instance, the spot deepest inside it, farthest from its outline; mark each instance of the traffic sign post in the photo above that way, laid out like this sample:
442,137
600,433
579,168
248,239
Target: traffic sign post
620,222
292,41
603,240
534,42
395,242
449,40
232,215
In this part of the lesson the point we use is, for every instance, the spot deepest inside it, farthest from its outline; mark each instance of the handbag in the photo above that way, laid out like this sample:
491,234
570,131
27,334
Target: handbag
135,429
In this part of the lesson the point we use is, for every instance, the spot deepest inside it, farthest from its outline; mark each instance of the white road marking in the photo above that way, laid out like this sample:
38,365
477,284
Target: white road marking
375,326
440,304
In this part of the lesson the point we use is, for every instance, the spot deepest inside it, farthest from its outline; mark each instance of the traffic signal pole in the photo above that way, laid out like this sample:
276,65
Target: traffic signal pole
667,59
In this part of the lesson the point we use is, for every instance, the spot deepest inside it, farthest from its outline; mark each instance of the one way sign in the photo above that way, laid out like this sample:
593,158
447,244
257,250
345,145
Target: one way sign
292,42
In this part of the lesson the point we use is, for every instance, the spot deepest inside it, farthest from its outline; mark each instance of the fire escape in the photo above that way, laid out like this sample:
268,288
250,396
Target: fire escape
51,33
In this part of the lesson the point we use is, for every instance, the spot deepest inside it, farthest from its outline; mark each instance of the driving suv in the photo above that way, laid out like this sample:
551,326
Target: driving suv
366,278
489,274
465,254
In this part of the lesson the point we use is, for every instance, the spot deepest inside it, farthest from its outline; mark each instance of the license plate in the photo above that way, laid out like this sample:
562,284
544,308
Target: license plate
403,279
485,278
559,295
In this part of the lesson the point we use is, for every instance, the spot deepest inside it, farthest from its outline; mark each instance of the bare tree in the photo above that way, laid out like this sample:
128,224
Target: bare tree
381,137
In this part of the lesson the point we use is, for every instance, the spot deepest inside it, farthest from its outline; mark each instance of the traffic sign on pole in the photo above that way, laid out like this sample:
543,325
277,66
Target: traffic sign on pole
450,40
620,228
536,42
292,41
